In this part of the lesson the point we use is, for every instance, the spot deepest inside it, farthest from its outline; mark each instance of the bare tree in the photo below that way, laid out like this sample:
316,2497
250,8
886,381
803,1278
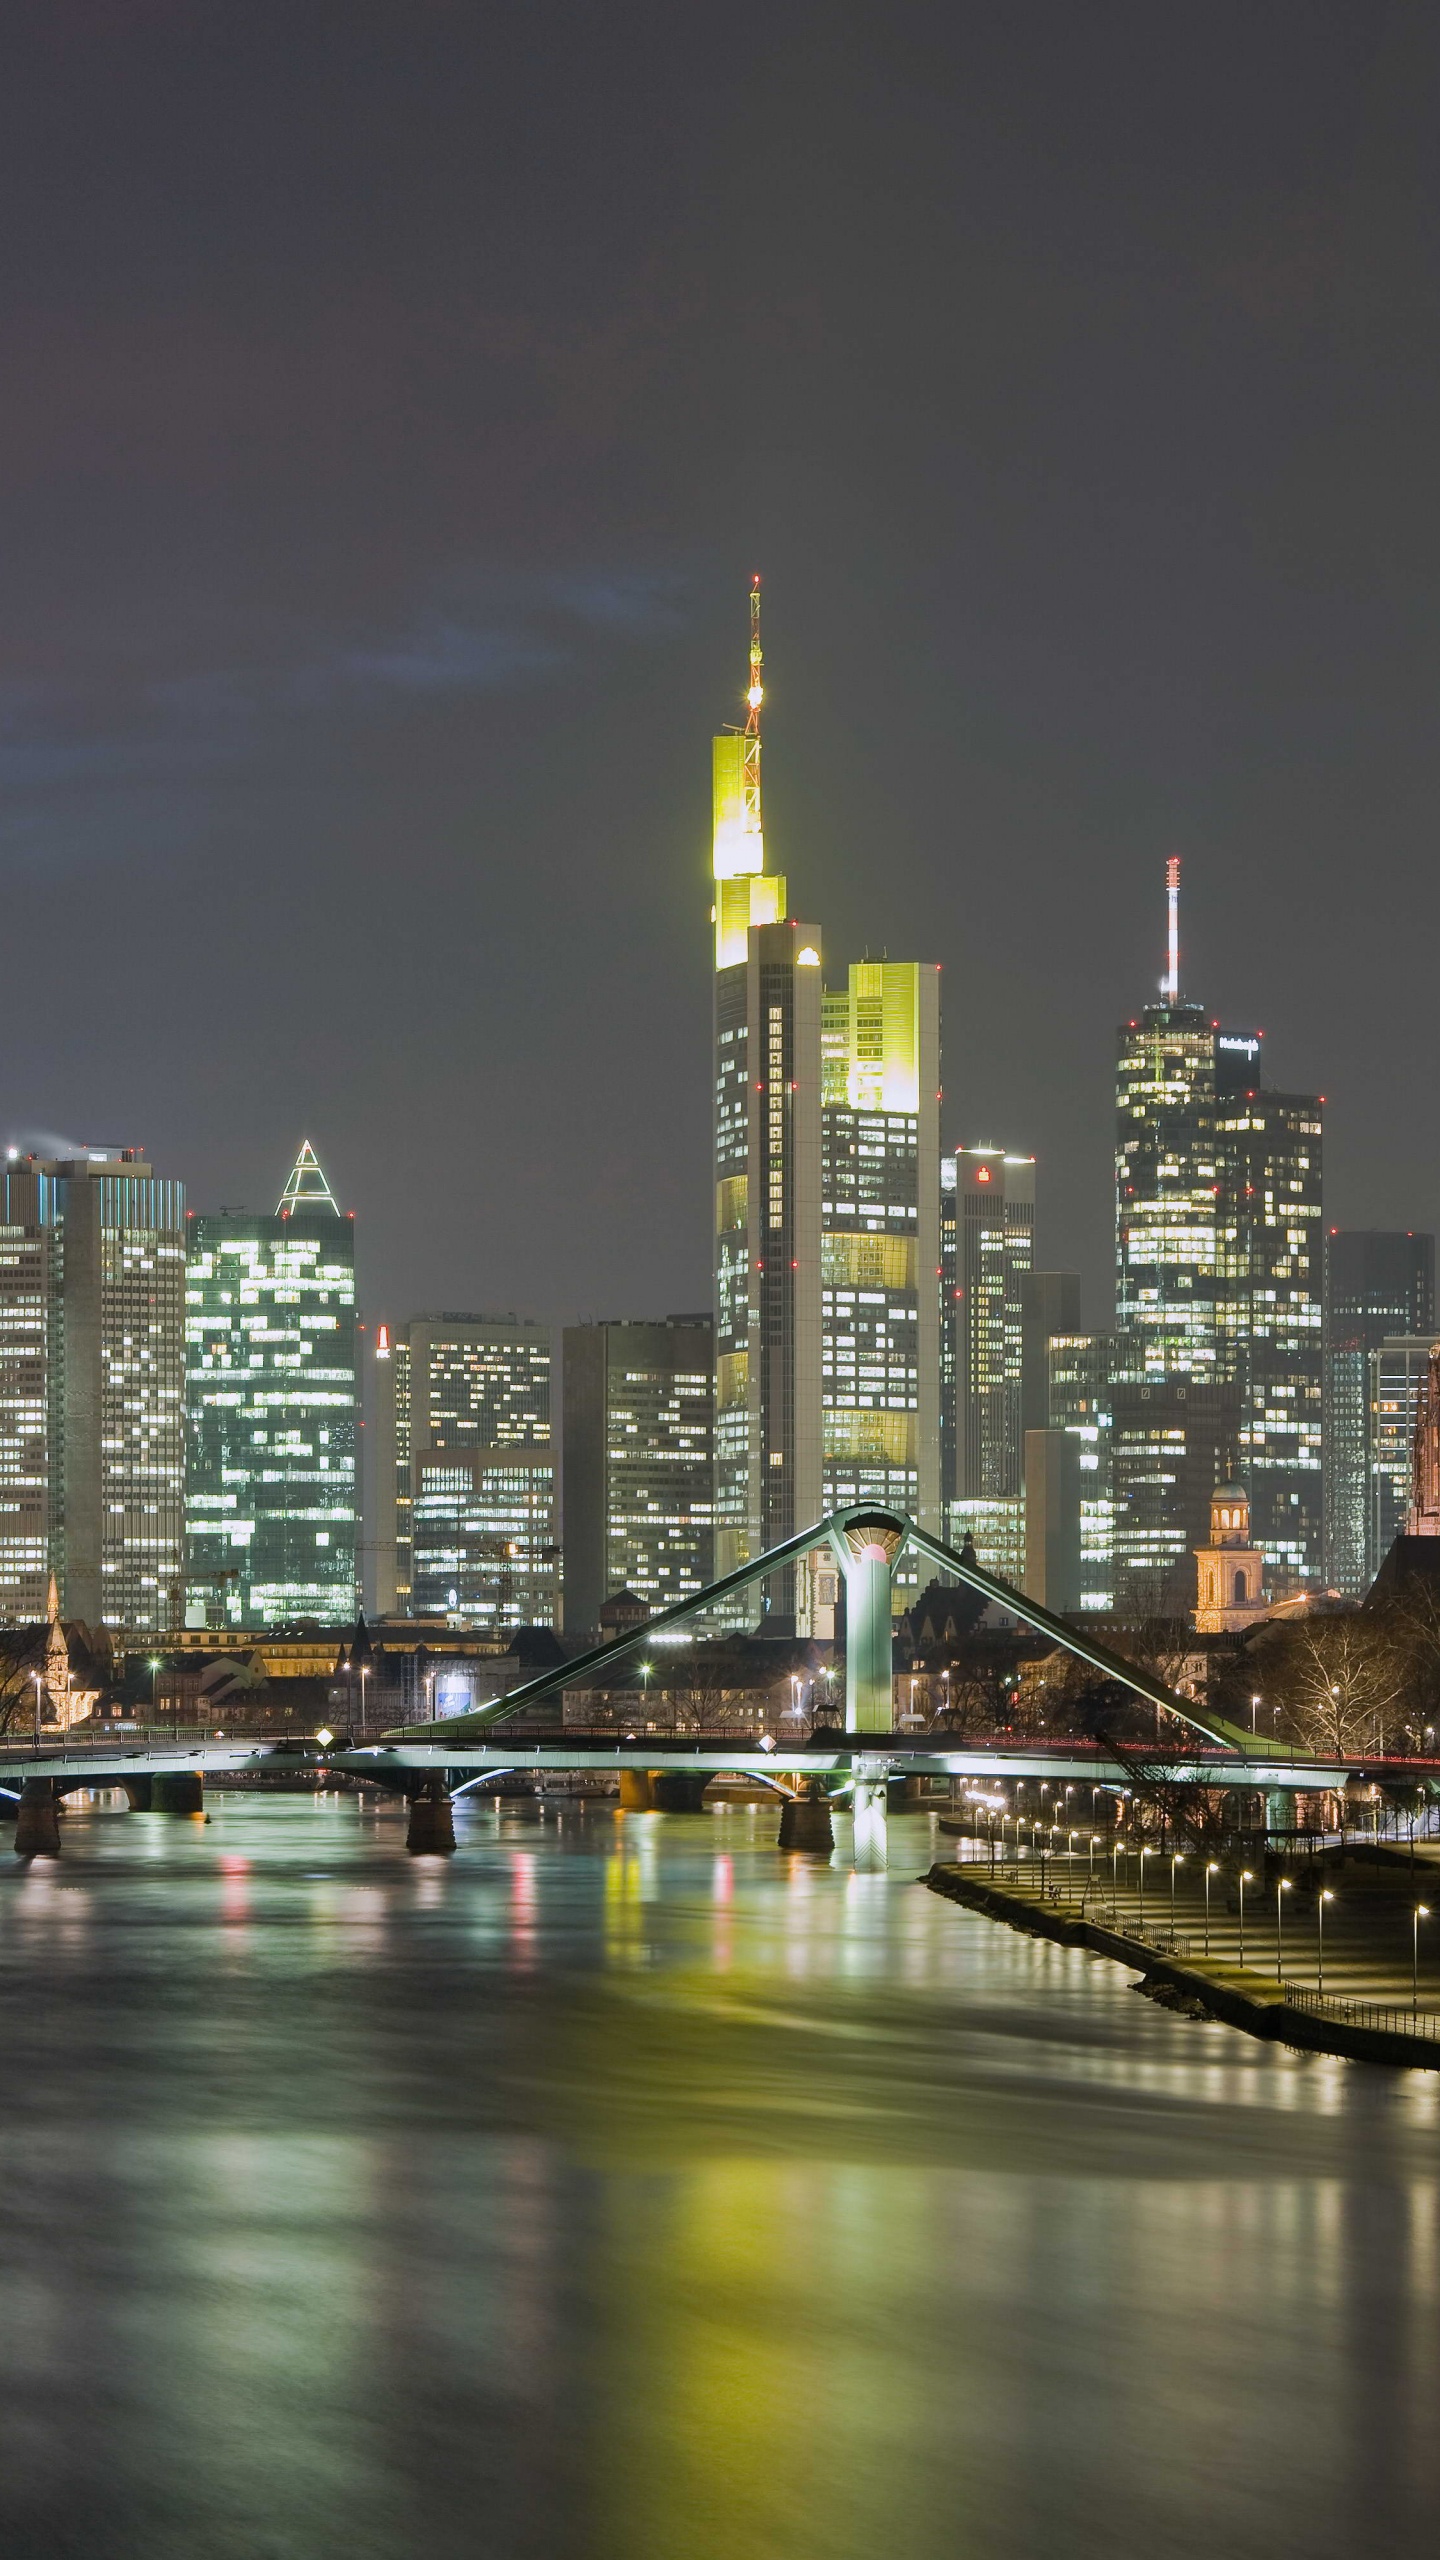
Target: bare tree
1338,1682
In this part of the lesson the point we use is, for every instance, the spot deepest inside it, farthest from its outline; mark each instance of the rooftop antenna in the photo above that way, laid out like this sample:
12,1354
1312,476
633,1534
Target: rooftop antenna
754,696
1170,983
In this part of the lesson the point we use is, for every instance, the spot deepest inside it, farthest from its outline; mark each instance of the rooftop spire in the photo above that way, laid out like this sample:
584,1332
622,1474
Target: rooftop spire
1170,983
307,1187
754,696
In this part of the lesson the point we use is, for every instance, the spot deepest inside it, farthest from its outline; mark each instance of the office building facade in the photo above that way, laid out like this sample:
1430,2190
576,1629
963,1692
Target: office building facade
1049,1308
986,1261
1079,1402
880,1240
1398,1371
466,1471
1172,1440
1219,1274
638,1446
1378,1287
826,1354
92,1388
271,1507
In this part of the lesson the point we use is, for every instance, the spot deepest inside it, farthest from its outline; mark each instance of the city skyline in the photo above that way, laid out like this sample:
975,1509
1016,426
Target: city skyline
641,1298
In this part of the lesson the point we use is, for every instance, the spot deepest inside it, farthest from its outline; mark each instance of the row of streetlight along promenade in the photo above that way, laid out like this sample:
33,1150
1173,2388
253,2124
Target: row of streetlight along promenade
1337,1918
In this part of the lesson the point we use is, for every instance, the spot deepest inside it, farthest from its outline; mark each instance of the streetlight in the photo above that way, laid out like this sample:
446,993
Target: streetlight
1245,1878
1072,1837
1281,1889
364,1676
1422,1912
1144,1854
1210,1870
154,1667
1254,1712
39,1679
1177,1859
1320,1901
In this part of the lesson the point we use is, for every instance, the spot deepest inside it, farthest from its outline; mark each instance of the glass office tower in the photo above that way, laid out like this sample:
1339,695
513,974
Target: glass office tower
1377,1287
1398,1370
272,1516
639,1402
92,1379
987,1251
880,1230
466,1471
826,1208
1218,1284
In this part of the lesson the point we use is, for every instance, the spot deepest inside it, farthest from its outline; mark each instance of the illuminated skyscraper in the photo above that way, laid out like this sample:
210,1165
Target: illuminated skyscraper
1079,1401
1399,1367
880,1239
463,1435
1377,1287
767,1176
638,1407
272,1515
987,1248
1218,1235
92,1379
827,1350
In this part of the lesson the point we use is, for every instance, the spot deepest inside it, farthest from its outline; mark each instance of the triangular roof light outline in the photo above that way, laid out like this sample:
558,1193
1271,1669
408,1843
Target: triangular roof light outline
307,1187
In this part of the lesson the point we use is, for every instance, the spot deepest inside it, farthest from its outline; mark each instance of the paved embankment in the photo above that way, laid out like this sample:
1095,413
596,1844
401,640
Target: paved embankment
1232,1993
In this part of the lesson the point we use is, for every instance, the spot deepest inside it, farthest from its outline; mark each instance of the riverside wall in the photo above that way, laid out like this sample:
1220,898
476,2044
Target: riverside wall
1238,1998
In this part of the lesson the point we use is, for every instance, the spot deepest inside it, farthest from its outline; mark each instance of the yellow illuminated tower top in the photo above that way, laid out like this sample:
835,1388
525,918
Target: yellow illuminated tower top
745,893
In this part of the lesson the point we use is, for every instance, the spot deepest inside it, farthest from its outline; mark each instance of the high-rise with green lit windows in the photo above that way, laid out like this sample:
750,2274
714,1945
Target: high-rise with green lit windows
271,1510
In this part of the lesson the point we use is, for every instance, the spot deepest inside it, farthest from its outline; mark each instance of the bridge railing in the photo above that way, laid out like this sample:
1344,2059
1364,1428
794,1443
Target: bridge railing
1386,2019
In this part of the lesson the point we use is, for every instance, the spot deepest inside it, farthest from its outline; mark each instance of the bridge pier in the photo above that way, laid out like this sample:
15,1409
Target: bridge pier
805,1821
37,1824
637,1791
176,1791
139,1791
678,1790
871,1799
430,1830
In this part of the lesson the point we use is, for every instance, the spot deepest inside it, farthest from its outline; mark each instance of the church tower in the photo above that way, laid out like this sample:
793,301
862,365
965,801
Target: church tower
1231,1595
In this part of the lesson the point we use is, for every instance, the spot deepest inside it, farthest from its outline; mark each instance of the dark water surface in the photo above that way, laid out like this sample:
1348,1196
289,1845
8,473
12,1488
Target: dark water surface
624,2189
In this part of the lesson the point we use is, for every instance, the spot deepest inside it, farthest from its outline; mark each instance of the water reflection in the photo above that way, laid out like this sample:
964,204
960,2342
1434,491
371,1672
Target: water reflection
621,2187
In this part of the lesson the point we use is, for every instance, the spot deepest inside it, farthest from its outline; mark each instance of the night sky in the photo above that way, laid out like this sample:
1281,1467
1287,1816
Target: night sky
396,402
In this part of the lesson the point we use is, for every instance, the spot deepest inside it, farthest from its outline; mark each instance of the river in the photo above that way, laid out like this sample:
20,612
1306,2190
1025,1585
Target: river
622,2190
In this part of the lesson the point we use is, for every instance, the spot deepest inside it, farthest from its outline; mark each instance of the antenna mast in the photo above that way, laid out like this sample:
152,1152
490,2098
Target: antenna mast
1170,984
754,696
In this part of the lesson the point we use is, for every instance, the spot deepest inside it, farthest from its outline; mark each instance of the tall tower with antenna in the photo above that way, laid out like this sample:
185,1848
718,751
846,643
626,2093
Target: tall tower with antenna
767,1171
1170,983
1217,1367
745,893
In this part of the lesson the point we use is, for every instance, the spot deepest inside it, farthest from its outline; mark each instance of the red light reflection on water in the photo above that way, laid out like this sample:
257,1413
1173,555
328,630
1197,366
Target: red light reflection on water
234,1896
523,1904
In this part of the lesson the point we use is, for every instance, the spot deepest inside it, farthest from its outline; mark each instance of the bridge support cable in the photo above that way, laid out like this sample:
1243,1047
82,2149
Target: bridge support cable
568,1675
1087,1648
